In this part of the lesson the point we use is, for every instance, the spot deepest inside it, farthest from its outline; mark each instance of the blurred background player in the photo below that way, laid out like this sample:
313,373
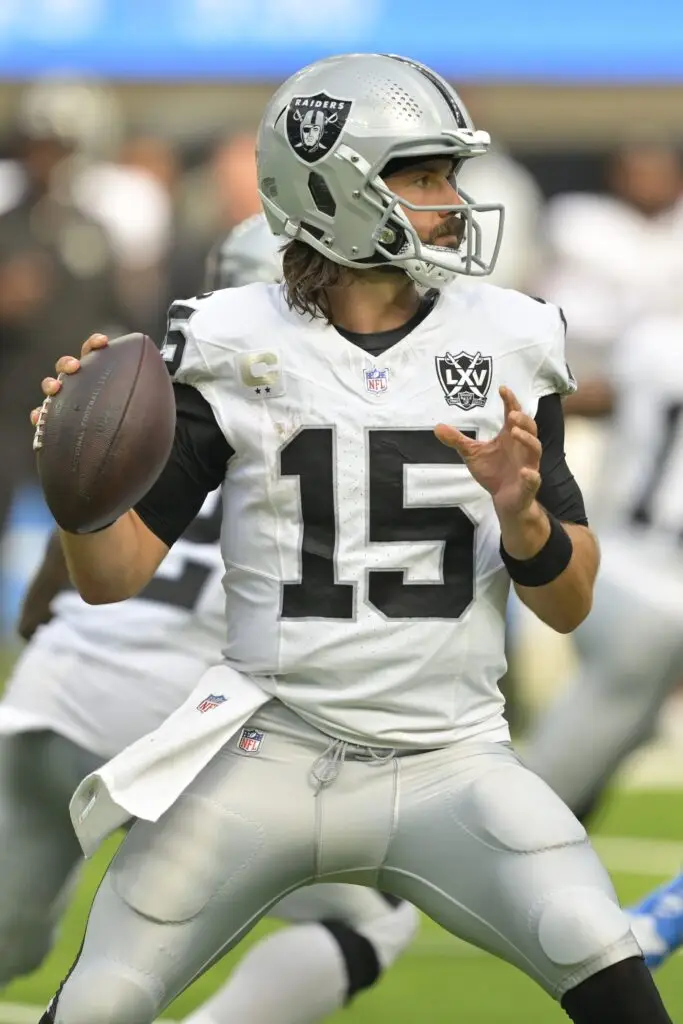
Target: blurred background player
631,647
94,679
615,256
612,257
500,179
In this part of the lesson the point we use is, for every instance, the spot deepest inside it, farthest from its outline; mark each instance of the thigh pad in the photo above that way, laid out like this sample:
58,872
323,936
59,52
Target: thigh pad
510,808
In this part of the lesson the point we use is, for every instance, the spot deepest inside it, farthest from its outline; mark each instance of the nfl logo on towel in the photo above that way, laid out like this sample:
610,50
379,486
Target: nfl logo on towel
251,740
376,381
212,701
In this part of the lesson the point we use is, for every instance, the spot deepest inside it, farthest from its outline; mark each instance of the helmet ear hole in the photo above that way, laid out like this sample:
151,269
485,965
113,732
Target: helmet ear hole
395,245
313,230
321,195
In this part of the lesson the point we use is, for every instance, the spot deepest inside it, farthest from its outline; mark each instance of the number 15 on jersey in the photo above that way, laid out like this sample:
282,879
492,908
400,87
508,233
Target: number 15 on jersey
310,457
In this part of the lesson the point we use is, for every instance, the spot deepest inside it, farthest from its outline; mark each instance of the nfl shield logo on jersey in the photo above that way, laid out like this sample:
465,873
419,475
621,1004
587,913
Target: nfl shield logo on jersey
465,379
212,701
376,381
250,740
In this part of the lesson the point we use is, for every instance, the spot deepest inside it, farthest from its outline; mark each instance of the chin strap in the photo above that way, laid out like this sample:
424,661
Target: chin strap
427,275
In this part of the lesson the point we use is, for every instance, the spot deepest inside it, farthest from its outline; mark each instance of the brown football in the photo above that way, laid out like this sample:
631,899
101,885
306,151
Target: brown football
104,438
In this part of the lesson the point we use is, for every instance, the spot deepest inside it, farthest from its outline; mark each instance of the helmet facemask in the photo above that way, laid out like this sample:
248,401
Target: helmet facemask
395,241
435,265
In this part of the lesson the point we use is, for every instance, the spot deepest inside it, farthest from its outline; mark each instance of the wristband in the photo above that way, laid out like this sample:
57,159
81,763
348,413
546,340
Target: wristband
547,564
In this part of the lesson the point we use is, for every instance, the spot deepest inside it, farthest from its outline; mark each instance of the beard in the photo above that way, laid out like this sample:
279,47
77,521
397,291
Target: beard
453,228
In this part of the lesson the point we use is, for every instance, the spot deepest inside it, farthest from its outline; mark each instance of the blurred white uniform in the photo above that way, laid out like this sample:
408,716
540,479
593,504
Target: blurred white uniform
12,184
608,266
631,645
131,206
497,178
116,671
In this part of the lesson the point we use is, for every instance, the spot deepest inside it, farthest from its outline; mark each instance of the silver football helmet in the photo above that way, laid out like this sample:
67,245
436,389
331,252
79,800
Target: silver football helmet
250,253
327,135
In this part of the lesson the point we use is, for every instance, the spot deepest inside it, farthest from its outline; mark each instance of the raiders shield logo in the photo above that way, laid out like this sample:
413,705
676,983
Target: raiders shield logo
314,124
465,379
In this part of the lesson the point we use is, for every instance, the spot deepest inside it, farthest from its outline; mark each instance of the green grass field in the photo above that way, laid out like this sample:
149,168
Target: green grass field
641,838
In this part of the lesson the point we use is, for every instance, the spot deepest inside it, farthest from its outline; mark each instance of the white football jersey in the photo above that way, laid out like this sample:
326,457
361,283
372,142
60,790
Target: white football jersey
364,585
644,469
103,675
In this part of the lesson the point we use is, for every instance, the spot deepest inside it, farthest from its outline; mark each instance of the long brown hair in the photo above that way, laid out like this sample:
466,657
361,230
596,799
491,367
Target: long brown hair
307,274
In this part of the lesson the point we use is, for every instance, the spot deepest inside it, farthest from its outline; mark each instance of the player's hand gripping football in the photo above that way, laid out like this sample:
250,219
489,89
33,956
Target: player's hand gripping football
507,466
67,364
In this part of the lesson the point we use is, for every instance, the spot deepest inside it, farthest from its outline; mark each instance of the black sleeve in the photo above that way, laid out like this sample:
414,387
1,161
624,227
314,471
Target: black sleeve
196,466
559,492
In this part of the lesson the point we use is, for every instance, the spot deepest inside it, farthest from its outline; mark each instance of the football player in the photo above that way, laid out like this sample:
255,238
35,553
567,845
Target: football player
631,647
249,253
94,679
368,560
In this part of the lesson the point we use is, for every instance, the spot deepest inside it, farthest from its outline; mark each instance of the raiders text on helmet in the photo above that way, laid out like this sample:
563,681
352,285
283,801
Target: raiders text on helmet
324,141
314,124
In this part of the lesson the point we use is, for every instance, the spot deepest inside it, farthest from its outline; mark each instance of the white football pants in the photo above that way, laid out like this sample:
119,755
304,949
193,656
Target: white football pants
466,833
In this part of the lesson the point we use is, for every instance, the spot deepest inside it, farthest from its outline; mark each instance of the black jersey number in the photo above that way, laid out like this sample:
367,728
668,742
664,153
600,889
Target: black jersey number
661,468
310,457
185,589
174,343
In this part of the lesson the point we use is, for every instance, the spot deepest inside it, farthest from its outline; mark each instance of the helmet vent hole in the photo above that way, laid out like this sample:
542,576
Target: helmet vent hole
397,104
322,197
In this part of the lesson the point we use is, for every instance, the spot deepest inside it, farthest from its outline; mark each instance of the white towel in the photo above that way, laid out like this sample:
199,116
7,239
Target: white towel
146,778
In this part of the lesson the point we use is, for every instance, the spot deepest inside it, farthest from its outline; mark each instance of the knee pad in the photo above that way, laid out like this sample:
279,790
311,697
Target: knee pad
112,994
578,924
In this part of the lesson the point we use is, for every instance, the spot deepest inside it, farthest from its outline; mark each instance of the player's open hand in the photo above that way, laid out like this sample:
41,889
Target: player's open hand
66,364
507,466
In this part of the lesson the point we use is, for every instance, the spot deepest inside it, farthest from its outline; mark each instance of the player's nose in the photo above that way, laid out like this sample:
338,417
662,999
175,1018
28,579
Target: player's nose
451,197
